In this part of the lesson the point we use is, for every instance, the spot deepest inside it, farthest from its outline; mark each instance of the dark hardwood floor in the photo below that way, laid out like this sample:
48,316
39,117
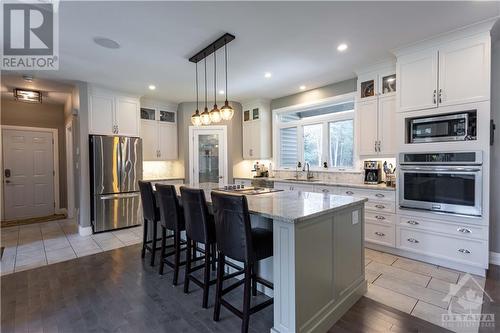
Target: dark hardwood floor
116,291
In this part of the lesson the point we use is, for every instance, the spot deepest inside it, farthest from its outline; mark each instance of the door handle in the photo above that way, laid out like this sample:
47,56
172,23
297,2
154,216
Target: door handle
434,97
220,177
7,173
7,181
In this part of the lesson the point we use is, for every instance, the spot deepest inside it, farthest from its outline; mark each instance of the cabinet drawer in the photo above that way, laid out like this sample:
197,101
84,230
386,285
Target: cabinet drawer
454,229
382,218
380,234
472,252
382,207
370,194
293,187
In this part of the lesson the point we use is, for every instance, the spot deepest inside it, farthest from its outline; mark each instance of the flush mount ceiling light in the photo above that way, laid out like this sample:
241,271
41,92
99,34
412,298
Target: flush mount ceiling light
152,87
106,43
342,47
267,75
29,96
215,115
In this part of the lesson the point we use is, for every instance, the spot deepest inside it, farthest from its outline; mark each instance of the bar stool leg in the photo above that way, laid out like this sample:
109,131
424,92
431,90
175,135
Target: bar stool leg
214,257
206,277
218,285
177,254
187,269
162,250
153,244
144,238
254,281
246,298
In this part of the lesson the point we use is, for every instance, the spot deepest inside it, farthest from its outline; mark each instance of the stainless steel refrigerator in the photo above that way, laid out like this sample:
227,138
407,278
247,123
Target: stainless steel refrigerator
115,169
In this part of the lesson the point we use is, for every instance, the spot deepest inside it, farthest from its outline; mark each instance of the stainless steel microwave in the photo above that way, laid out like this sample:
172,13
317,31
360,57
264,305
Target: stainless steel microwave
444,182
451,127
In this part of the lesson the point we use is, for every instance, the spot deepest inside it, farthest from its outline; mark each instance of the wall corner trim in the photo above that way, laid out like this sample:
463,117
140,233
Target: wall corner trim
84,231
495,258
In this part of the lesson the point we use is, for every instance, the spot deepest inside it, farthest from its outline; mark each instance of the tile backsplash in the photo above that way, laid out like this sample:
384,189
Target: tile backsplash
162,169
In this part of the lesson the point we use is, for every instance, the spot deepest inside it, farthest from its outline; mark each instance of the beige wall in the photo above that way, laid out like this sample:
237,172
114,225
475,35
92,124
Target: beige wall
334,89
40,115
234,136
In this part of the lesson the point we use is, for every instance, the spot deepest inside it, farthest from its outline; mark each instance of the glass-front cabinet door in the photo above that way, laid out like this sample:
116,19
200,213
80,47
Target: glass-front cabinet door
208,155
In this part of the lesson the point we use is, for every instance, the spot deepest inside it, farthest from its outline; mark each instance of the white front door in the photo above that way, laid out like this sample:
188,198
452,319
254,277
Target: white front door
28,173
208,156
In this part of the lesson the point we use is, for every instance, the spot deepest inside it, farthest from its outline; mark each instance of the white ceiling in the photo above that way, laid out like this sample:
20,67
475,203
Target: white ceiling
295,41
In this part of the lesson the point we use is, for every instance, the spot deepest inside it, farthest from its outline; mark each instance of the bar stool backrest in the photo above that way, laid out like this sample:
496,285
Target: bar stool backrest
170,210
232,226
149,210
198,226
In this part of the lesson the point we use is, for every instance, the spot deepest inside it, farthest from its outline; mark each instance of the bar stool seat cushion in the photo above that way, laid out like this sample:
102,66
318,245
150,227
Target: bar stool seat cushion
262,240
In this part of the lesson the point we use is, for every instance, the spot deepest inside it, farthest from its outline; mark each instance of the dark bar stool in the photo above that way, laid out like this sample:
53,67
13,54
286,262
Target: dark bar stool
171,218
238,241
200,228
151,215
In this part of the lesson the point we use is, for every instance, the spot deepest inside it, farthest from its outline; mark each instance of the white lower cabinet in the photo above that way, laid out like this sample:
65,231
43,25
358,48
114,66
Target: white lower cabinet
442,246
380,234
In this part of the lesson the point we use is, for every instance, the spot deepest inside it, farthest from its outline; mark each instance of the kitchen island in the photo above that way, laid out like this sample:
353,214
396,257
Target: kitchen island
318,260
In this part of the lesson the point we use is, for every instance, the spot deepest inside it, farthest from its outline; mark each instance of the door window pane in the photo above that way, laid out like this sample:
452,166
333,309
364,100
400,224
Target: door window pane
312,144
208,157
288,147
341,143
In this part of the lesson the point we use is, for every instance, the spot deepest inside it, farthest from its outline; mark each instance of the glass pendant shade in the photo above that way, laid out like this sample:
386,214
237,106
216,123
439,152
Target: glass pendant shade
205,117
215,115
226,111
196,118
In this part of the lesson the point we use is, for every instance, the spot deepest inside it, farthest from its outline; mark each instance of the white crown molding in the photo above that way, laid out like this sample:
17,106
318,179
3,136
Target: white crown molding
479,28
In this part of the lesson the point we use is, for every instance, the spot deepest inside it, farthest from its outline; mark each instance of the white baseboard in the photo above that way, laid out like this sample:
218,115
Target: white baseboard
84,231
61,211
495,258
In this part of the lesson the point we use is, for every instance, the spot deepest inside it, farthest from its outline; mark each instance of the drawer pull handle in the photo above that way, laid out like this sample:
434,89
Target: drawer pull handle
325,190
378,217
349,192
381,234
464,230
380,195
380,206
464,251
413,240
412,222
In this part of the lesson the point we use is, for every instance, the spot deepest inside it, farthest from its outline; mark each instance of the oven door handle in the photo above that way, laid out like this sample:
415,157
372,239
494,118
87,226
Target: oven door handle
451,169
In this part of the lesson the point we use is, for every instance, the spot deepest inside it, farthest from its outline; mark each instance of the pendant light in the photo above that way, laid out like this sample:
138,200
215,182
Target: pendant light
215,113
196,118
226,111
205,115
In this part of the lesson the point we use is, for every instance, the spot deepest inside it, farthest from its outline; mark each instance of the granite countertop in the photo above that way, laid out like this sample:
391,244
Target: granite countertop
293,206
380,186
162,179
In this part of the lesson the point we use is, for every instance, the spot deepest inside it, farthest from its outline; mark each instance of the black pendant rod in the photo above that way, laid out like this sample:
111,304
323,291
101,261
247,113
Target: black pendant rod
220,42
206,84
197,103
225,62
215,79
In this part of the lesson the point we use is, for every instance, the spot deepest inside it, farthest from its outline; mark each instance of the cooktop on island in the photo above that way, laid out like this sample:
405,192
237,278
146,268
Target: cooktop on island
247,190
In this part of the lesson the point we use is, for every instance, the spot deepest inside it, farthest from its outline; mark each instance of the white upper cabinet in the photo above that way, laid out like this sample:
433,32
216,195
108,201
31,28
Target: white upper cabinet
111,113
417,81
464,72
367,127
101,114
256,130
158,131
387,125
453,73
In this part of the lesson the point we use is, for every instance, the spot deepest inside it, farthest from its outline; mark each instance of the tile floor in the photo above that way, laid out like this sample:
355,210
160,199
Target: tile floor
35,245
419,289
423,290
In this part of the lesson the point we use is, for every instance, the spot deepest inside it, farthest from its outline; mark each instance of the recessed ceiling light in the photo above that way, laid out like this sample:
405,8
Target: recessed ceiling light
221,92
302,87
342,47
106,42
152,87
267,75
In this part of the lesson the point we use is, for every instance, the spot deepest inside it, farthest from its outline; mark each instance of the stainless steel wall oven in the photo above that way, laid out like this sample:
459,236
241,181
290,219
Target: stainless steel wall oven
445,182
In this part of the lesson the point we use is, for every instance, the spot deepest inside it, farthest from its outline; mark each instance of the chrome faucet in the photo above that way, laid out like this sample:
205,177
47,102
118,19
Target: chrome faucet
309,174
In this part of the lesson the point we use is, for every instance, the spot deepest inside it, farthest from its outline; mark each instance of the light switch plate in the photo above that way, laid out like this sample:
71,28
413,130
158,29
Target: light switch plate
355,217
